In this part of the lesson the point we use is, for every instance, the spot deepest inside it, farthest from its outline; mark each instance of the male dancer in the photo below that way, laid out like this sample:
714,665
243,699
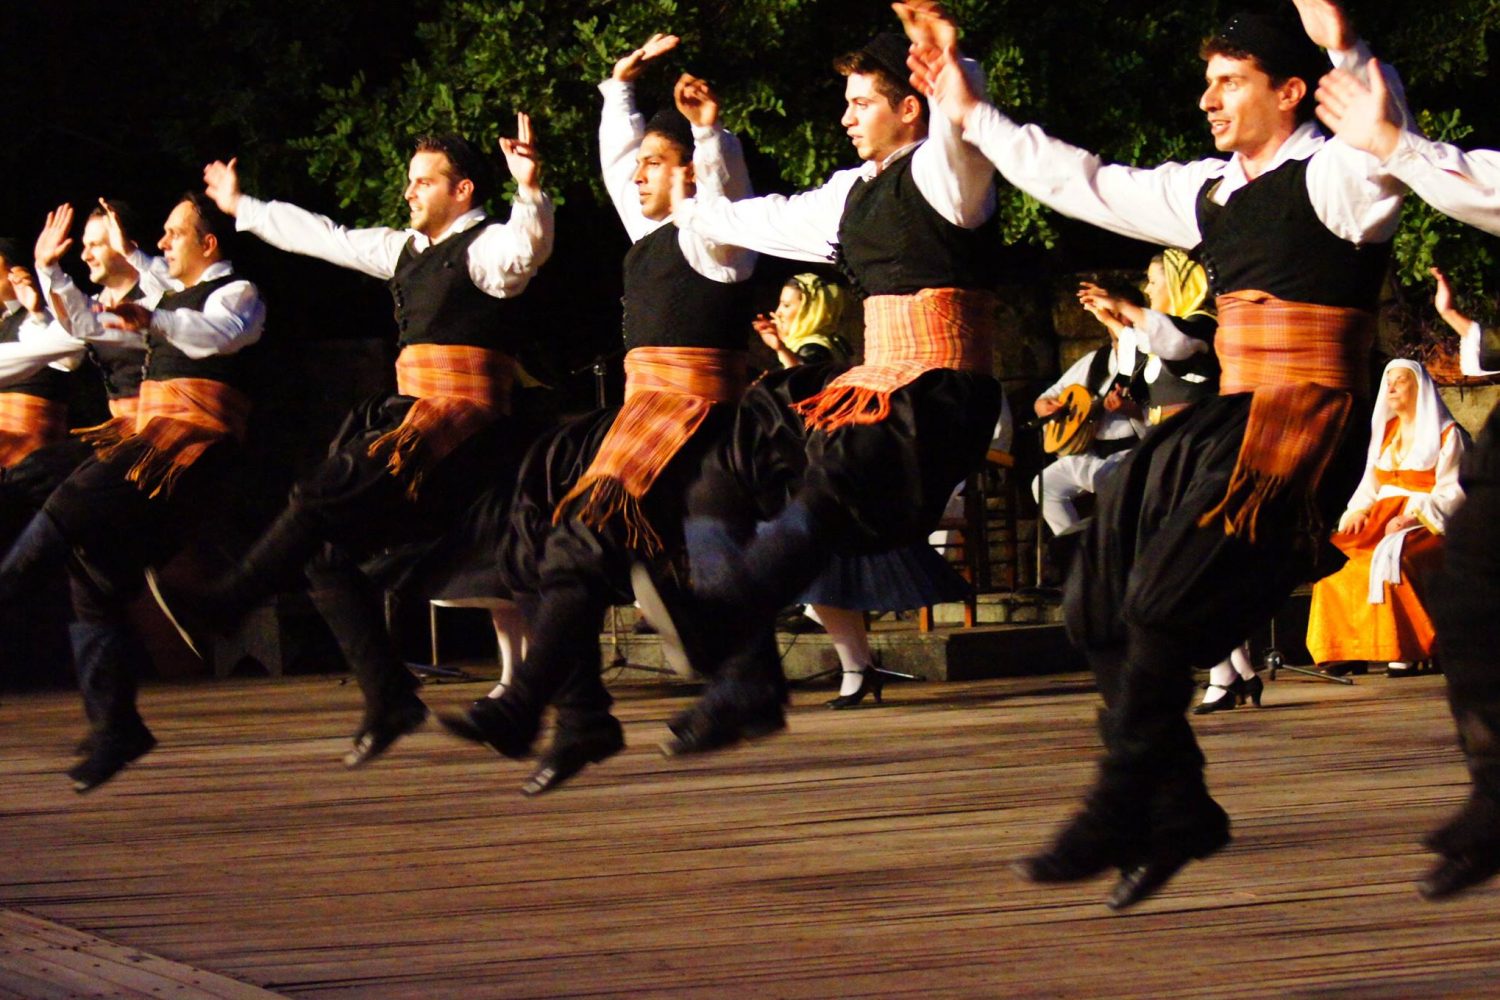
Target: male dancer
1214,518
405,464
1466,186
126,508
846,459
684,302
120,356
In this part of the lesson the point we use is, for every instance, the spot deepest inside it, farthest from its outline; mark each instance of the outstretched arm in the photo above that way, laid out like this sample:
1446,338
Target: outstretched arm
1470,333
371,251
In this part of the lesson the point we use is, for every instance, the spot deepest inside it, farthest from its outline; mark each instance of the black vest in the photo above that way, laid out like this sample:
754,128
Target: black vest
892,242
668,304
1269,238
437,301
121,368
1171,387
49,383
165,362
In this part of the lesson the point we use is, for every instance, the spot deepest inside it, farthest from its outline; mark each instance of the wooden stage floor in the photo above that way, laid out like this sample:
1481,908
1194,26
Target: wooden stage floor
862,853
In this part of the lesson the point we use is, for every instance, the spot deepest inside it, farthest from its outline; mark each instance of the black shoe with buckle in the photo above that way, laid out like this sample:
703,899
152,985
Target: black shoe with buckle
378,735
1169,852
571,752
111,753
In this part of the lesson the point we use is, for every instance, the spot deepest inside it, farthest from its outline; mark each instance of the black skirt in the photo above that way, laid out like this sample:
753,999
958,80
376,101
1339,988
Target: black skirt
1146,562
892,479
904,579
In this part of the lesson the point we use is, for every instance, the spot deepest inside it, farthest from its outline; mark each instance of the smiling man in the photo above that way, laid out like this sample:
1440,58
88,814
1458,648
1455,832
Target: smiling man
840,459
1216,517
406,464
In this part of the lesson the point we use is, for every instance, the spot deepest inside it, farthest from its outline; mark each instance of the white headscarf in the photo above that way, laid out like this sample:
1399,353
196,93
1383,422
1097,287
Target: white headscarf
1432,418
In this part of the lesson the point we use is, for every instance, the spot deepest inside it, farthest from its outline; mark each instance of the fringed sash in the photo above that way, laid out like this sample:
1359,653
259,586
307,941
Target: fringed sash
668,393
1304,364
459,391
28,423
175,422
906,336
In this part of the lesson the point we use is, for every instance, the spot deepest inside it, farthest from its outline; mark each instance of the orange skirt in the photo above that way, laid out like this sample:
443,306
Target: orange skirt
1344,625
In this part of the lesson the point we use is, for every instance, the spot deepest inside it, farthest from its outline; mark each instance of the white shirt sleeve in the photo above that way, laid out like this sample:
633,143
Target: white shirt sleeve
1447,494
720,172
1158,335
370,251
1353,194
231,320
79,318
956,178
621,129
1468,352
503,258
154,278
1464,185
1158,205
41,343
803,226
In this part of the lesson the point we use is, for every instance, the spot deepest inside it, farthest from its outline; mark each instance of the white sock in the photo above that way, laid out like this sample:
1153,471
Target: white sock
510,635
850,640
1240,661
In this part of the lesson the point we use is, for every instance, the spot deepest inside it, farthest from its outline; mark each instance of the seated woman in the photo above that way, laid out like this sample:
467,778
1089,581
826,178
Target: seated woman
1392,532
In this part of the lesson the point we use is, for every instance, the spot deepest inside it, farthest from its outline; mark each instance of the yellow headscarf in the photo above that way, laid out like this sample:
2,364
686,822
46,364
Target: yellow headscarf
817,318
1187,284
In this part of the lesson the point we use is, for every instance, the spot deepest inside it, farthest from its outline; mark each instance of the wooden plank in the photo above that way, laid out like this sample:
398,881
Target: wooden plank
863,853
40,960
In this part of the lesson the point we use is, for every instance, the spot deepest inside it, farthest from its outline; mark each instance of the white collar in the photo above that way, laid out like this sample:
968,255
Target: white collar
468,220
1301,144
871,169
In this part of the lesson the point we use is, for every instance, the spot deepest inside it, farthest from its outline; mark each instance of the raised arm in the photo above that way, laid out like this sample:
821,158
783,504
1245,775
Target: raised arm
719,171
503,259
371,251
621,128
1471,354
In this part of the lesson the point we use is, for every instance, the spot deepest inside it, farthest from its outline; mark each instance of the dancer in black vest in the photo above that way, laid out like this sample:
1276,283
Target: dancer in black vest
839,458
157,473
74,335
1215,517
407,464
606,491
1466,186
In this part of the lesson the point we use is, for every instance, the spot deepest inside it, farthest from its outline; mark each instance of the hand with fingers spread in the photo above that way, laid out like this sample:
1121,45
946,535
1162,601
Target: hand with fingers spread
25,289
634,64
939,74
1326,24
696,100
1359,113
124,316
221,182
54,240
521,157
115,230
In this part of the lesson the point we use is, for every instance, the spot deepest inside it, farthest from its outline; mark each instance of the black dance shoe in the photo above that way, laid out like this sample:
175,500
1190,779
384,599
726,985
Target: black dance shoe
388,727
871,683
1454,874
1252,690
109,756
1233,695
571,752
1166,858
1342,668
488,722
1092,842
699,730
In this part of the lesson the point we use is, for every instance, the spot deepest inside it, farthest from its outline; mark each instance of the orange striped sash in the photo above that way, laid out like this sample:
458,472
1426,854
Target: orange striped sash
175,422
459,391
125,406
668,393
1303,364
27,423
906,336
